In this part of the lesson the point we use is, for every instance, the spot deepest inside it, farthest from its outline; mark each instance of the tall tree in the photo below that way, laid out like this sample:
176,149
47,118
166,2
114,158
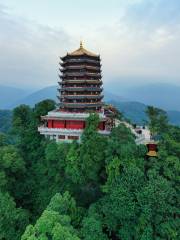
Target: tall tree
55,221
85,163
49,174
12,220
42,108
158,120
12,167
3,139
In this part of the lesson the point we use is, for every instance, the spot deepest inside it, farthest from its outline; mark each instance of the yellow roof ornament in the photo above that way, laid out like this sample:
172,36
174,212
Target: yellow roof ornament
81,44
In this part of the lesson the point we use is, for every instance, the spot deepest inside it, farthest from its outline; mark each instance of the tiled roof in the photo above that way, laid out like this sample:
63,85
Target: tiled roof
82,51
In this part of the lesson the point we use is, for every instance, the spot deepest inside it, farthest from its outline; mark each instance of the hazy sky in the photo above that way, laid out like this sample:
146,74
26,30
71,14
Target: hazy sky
137,39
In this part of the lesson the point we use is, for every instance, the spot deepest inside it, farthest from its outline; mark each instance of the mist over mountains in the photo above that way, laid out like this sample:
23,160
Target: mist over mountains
164,96
132,101
10,95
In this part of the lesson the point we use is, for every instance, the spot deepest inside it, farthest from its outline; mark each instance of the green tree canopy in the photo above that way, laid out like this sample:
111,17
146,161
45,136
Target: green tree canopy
12,220
42,108
11,167
55,221
158,120
101,188
3,139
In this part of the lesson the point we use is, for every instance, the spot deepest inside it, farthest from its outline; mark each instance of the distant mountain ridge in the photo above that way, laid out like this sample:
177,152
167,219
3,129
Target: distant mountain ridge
37,96
51,93
162,95
133,110
9,95
165,96
136,112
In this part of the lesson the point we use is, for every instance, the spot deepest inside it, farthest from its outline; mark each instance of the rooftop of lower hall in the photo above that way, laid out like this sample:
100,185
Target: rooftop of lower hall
60,114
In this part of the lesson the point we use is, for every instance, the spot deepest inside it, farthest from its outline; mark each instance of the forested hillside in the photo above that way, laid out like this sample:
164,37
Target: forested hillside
136,112
100,189
5,120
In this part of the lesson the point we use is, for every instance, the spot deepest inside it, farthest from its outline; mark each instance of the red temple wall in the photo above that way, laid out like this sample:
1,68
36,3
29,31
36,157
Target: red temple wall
71,124
50,123
58,124
75,124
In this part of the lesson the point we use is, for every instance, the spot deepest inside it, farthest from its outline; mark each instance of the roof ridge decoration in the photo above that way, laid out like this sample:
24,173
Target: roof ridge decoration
82,51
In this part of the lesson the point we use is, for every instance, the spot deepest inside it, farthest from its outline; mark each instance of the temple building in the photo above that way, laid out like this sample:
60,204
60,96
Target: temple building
80,93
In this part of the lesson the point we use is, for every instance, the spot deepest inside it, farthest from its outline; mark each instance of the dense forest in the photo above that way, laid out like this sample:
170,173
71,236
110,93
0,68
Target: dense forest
103,188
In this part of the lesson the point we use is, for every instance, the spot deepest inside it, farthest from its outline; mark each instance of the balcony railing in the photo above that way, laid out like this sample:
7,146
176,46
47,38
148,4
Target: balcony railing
81,105
80,89
67,96
71,67
80,74
49,131
91,81
81,60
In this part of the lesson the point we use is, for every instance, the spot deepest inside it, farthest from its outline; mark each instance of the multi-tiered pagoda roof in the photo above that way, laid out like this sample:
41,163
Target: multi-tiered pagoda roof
80,83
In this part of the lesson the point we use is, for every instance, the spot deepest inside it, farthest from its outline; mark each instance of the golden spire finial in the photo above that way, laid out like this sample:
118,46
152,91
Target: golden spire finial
81,44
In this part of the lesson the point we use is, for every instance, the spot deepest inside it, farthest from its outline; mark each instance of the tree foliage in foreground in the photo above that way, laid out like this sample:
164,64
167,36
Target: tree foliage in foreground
13,220
55,221
103,188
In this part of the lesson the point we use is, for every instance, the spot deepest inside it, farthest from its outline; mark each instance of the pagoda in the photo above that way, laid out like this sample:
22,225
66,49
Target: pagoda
80,94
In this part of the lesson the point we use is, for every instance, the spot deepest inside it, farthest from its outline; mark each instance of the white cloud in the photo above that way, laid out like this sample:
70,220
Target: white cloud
29,51
145,42
143,39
